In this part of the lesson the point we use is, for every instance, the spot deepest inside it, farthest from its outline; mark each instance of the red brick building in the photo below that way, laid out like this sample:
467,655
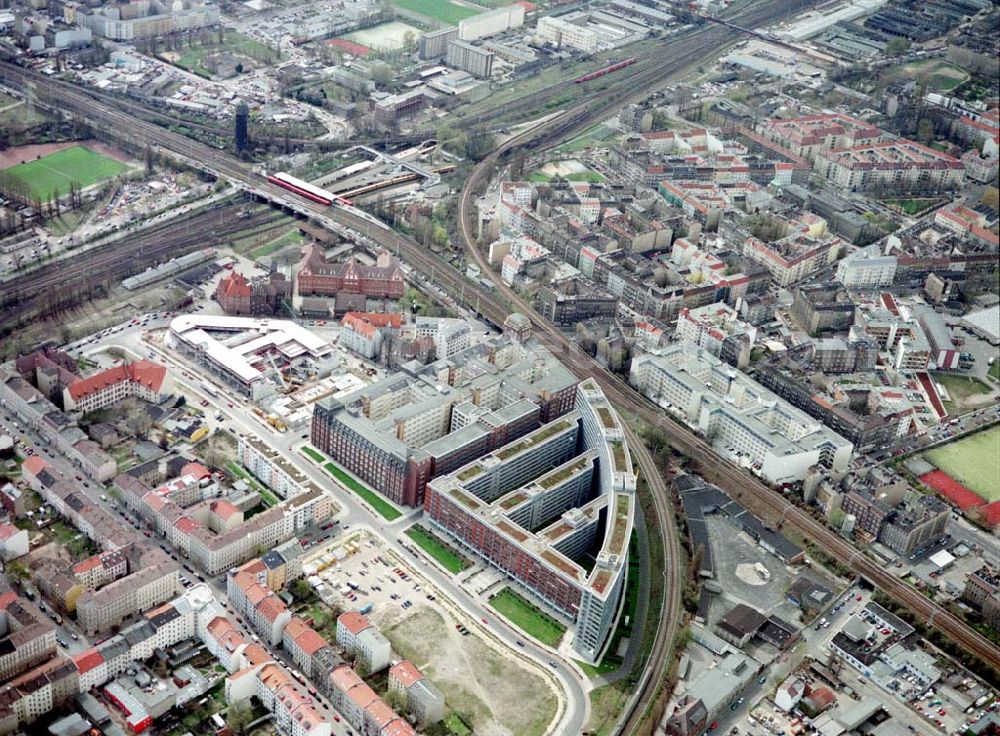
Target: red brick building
263,295
316,276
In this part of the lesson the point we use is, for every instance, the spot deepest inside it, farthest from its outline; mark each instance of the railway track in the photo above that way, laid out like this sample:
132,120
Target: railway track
130,255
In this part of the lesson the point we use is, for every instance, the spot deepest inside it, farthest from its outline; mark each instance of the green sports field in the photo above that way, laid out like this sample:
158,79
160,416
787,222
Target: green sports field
442,10
54,173
974,462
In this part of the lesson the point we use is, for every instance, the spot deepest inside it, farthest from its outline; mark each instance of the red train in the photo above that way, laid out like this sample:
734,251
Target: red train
606,70
307,190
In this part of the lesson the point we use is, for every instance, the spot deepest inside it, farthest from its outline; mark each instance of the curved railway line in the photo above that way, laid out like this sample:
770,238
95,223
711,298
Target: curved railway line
756,495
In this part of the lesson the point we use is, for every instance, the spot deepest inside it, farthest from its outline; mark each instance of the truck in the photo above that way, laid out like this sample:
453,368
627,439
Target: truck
366,609
209,388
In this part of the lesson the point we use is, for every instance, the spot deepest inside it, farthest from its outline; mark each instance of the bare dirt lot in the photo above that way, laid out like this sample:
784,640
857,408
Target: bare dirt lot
22,154
497,694
492,689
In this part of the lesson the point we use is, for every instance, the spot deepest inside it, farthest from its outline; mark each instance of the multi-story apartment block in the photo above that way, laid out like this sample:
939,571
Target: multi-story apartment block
145,20
60,430
491,22
210,541
475,60
811,135
532,507
805,248
302,642
821,307
316,275
155,579
423,700
982,590
915,523
561,33
295,712
859,416
38,691
265,612
364,332
716,328
101,569
142,379
27,635
890,165
737,414
270,467
361,707
398,433
98,525
866,268
359,638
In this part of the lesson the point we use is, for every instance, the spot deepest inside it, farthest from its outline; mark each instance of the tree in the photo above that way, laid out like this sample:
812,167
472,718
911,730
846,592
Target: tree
17,570
925,130
897,46
300,589
137,419
395,700
238,716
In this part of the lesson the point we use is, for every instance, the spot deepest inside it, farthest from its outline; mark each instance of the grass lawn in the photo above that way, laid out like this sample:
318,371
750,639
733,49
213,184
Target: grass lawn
312,454
939,74
54,173
589,138
436,548
194,58
973,461
454,726
592,176
292,237
269,498
960,388
442,10
527,617
383,507
994,370
539,178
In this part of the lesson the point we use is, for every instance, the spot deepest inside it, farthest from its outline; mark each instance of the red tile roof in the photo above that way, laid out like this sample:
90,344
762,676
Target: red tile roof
344,678
198,470
8,530
362,696
399,727
353,622
223,508
88,660
406,672
34,465
380,714
87,565
234,286
186,524
272,607
142,372
310,641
